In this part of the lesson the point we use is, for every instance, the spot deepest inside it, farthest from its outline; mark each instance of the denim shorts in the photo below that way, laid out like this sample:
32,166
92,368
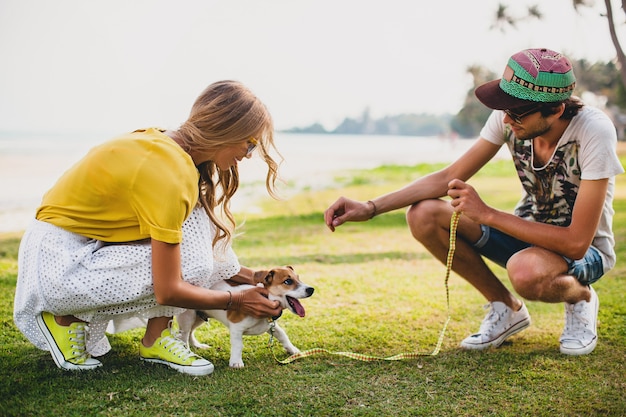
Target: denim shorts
499,247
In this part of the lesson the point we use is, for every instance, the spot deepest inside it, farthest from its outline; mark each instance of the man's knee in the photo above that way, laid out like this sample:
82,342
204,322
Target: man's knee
522,275
422,216
532,272
424,210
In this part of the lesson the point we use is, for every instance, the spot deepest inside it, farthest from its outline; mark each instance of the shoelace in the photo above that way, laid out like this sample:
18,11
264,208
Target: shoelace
490,321
575,321
79,351
177,347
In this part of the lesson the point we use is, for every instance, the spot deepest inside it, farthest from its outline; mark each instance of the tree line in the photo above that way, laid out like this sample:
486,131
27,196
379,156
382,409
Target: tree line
601,79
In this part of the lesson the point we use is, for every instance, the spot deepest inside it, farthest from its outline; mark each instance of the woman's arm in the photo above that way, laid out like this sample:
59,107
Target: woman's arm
244,276
171,289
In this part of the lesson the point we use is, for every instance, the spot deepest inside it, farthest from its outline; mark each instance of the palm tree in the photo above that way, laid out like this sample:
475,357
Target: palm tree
505,19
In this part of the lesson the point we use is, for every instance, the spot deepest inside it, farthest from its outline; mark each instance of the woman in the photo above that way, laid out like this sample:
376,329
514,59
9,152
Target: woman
140,228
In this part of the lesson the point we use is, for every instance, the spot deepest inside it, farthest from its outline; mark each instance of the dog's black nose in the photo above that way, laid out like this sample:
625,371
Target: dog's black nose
309,291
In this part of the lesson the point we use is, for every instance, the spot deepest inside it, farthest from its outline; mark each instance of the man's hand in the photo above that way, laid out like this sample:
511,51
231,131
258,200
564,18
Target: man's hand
465,200
345,210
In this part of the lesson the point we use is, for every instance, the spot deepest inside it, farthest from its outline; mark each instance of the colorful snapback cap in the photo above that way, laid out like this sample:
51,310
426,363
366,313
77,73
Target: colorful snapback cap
531,76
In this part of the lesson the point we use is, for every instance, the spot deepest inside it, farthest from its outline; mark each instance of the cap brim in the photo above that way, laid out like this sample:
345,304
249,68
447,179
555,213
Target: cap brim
492,96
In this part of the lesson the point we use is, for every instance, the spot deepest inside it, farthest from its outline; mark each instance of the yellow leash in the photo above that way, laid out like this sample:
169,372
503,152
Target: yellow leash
454,221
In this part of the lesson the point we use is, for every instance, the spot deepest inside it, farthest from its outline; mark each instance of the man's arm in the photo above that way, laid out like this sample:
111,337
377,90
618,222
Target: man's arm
571,241
434,185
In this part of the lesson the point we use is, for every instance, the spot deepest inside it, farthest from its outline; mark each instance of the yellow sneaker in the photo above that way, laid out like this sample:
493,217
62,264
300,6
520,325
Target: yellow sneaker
171,351
67,343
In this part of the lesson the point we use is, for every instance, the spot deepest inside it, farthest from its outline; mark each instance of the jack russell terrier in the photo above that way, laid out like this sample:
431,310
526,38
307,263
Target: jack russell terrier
283,284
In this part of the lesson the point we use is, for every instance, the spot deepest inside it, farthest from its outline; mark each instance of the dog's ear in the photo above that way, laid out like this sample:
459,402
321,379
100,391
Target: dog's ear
290,267
259,276
269,277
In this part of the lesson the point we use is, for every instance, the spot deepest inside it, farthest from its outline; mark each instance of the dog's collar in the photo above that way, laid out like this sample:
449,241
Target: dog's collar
204,316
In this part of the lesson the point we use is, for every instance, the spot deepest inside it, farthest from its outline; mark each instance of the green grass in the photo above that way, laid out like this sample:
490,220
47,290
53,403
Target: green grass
378,292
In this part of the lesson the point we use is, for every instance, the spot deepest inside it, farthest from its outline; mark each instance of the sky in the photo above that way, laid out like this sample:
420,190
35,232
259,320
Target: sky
118,65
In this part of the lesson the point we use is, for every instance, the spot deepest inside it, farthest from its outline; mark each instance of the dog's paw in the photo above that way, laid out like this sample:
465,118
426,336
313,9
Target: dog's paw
236,365
293,351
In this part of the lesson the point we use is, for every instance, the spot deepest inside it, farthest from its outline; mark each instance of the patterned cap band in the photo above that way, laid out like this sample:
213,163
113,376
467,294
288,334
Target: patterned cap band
538,75
531,76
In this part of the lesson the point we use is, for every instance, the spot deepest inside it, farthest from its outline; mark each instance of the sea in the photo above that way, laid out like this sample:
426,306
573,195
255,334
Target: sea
30,163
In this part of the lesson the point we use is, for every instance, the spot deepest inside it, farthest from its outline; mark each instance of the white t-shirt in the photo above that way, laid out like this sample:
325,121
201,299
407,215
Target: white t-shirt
586,151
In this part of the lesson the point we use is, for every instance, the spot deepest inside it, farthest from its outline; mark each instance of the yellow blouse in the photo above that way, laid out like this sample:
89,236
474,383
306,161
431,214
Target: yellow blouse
137,186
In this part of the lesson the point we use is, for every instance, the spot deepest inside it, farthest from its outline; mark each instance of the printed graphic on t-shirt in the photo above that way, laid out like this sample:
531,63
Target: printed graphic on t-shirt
550,191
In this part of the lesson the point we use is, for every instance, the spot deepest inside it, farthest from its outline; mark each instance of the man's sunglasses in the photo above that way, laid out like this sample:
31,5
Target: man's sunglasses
517,117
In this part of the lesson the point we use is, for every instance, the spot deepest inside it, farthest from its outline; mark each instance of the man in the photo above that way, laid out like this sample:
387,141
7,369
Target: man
559,240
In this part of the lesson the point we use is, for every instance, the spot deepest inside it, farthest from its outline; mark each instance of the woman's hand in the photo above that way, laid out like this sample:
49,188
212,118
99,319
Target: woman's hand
254,302
244,276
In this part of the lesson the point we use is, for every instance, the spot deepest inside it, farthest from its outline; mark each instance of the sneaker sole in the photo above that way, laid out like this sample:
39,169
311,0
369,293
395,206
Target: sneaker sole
516,328
190,370
56,353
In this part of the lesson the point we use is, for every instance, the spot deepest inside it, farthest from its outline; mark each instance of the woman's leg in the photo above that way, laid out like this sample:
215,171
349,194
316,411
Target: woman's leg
154,329
160,345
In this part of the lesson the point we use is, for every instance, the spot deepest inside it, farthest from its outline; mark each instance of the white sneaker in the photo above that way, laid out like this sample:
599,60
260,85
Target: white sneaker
580,334
500,323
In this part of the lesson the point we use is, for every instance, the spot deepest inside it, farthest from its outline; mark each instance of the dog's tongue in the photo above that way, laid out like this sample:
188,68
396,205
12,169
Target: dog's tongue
296,307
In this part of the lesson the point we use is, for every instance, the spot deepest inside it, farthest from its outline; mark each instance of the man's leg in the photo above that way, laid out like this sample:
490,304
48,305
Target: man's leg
429,222
538,274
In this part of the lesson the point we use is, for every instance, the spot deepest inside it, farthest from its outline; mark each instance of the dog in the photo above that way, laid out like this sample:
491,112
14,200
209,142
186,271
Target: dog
283,284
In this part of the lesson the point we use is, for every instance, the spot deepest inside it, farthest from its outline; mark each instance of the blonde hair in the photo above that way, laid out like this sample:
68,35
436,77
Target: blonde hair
225,113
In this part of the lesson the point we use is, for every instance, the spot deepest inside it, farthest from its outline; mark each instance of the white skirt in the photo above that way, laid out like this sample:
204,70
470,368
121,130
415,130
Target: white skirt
68,274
